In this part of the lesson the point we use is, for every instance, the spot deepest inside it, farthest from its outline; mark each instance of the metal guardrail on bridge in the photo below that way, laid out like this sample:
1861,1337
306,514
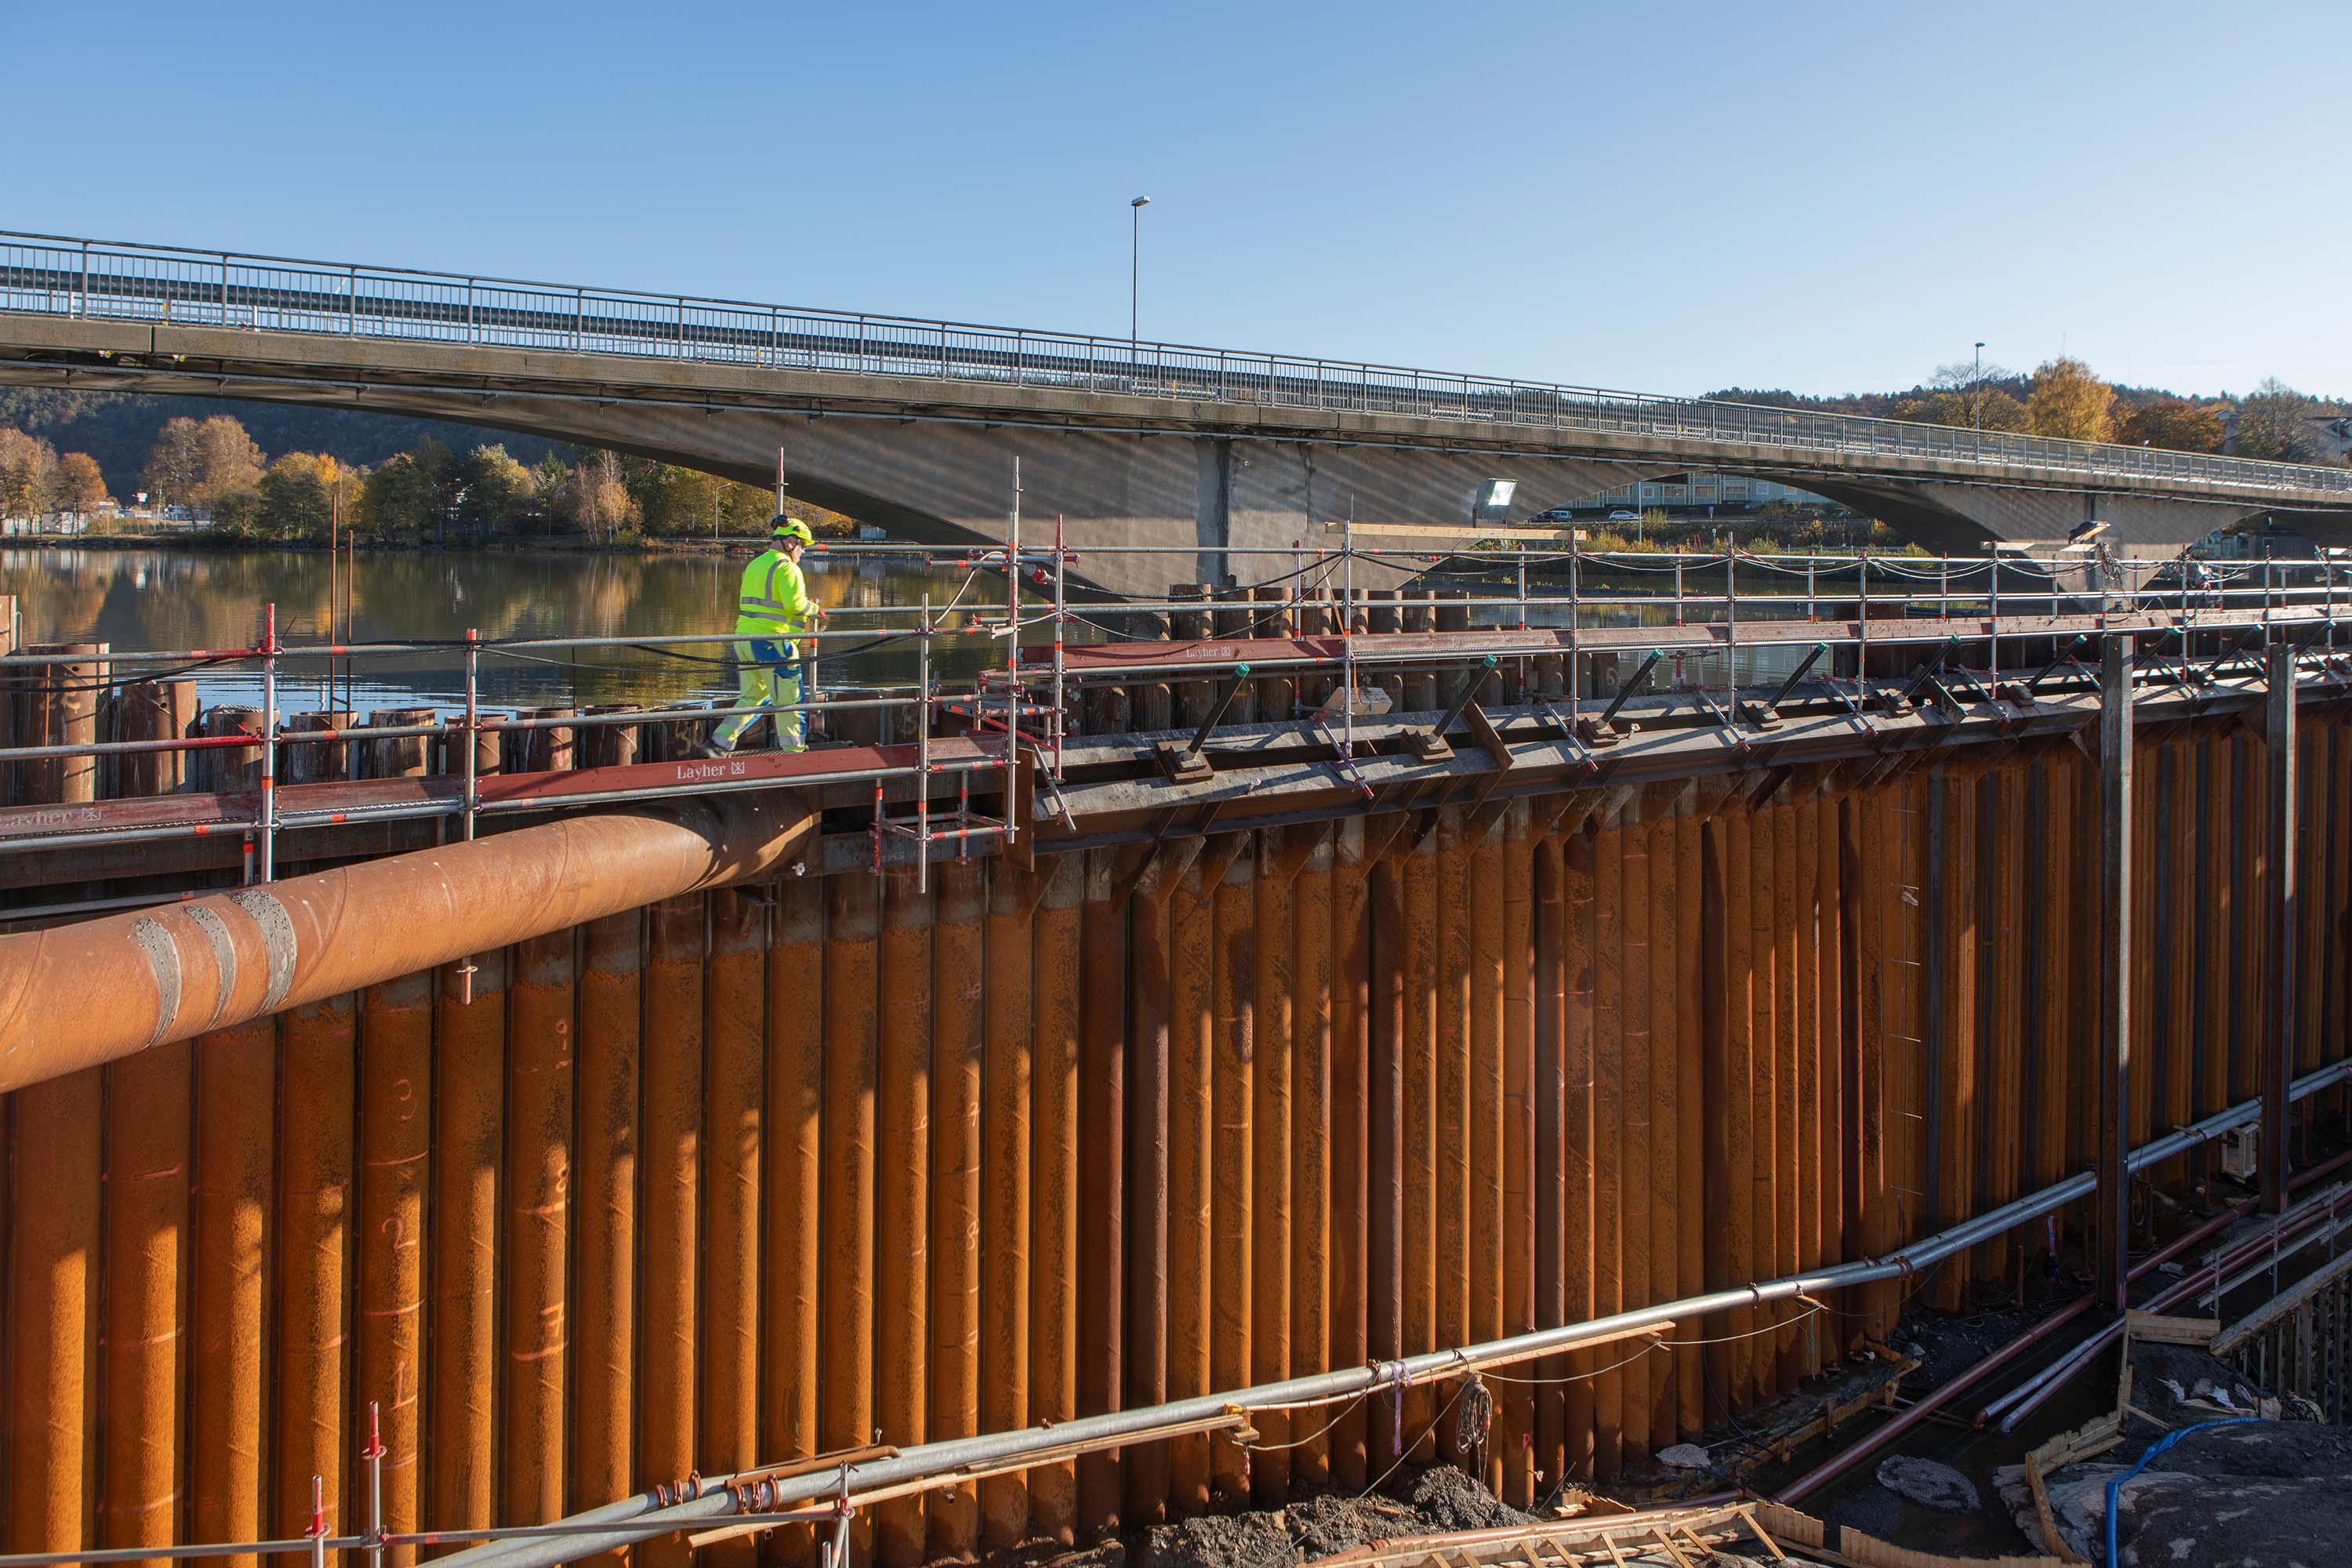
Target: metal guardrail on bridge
55,275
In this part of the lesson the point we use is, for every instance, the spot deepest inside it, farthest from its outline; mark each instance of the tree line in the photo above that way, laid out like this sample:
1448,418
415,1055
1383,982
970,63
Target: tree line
35,482
432,495
2064,397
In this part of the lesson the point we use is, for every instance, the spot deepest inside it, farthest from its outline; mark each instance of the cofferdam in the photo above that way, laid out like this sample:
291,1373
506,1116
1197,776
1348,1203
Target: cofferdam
1081,1057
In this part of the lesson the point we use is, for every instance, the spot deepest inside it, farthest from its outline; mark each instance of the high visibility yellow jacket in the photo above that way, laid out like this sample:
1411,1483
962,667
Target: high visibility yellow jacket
775,599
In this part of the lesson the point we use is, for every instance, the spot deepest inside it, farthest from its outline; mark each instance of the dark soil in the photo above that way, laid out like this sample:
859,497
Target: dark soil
1432,1502
2264,1492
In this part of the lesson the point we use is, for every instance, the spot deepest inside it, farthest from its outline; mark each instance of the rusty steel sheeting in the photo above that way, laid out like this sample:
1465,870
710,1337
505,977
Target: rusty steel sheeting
602,1448
1005,1083
957,1042
902,1140
1192,1048
1279,858
237,1101
1592,963
727,1416
468,1118
396,1107
90,993
55,1138
794,1163
538,1200
313,1319
1055,1191
670,1212
148,1154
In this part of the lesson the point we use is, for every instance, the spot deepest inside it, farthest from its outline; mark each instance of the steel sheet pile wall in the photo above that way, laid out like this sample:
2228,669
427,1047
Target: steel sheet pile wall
743,1177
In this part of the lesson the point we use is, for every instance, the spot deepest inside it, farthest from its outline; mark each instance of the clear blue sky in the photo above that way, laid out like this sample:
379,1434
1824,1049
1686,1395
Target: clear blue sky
1671,197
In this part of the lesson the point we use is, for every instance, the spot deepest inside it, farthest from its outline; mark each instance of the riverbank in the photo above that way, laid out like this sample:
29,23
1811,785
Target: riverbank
209,543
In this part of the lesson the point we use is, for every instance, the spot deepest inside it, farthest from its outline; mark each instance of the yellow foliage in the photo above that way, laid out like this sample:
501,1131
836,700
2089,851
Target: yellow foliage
2071,403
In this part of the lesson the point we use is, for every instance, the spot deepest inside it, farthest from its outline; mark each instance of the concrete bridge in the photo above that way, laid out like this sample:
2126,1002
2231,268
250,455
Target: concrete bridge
914,425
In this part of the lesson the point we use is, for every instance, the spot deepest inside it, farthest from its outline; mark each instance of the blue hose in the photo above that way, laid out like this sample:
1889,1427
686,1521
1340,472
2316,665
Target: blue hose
2115,1486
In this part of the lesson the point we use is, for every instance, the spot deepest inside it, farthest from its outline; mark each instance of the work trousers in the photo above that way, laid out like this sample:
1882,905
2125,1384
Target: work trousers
769,677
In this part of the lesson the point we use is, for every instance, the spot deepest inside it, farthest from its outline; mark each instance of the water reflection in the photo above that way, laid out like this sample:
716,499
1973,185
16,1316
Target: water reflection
157,599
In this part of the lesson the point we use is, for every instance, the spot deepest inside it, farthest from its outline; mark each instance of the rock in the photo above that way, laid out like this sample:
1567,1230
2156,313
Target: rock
1685,1456
1929,1484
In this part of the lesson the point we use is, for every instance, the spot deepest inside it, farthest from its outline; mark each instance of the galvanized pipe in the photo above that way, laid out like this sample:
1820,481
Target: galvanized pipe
73,997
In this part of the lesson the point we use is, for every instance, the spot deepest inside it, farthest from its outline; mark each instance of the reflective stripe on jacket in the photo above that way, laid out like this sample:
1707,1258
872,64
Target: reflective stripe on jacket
773,596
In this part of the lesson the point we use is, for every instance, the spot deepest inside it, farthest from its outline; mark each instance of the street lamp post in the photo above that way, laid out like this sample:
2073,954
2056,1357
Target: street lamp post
1134,275
1975,390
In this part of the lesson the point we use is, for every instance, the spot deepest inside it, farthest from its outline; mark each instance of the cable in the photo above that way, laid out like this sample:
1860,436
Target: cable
2116,1483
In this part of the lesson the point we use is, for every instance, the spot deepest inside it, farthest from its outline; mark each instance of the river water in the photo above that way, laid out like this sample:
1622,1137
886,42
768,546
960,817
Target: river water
166,599
157,599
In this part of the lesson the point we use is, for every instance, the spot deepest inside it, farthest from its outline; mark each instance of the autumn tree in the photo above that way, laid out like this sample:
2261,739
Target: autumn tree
405,498
2274,422
27,463
297,496
173,464
226,459
596,499
495,492
76,486
2173,423
1988,408
195,463
2070,402
675,500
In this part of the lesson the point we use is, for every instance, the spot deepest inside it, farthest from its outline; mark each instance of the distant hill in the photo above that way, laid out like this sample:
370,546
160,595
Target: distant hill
118,429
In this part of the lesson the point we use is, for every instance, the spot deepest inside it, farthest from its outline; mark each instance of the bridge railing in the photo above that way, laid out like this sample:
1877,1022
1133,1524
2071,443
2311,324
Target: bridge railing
70,277
1564,624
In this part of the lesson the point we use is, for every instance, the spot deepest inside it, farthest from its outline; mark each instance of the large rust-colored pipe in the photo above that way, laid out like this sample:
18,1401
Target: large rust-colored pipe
90,993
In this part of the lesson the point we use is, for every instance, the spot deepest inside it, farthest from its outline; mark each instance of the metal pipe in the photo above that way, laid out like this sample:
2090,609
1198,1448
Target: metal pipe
1626,689
1471,681
1216,711
1795,675
73,997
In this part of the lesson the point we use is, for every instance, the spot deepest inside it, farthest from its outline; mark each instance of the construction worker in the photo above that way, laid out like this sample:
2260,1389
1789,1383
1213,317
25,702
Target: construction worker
773,607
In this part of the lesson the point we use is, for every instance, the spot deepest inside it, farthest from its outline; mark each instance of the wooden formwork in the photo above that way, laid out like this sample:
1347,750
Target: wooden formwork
759,1175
